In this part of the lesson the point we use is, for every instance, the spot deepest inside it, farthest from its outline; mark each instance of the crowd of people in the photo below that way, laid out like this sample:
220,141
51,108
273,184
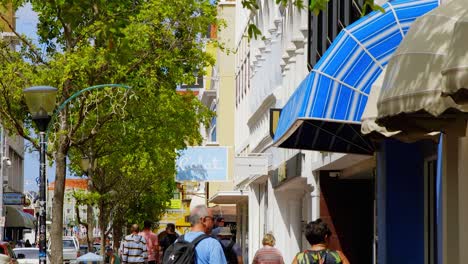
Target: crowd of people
210,242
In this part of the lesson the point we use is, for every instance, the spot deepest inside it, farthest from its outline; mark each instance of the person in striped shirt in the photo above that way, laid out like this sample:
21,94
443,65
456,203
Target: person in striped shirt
268,254
134,247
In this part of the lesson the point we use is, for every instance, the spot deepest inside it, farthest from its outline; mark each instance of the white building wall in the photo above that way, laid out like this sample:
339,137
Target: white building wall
277,65
14,175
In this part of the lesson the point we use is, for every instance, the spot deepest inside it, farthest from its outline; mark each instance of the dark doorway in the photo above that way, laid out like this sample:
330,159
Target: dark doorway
347,205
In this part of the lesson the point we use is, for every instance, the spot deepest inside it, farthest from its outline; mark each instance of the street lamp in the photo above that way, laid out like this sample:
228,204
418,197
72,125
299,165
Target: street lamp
41,104
88,164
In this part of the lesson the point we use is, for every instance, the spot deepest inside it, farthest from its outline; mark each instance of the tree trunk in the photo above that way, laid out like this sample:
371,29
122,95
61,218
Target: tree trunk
90,213
56,232
89,229
117,233
102,226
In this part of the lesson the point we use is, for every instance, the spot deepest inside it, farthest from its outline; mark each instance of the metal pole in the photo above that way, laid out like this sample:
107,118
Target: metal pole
42,200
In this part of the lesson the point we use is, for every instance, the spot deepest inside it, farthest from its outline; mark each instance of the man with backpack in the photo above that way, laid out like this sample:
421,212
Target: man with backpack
196,246
232,251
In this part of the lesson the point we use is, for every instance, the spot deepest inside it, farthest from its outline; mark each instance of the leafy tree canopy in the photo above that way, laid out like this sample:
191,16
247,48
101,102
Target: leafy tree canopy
150,45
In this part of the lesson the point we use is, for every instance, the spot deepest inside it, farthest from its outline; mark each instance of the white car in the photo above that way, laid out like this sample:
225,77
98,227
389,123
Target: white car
28,255
71,249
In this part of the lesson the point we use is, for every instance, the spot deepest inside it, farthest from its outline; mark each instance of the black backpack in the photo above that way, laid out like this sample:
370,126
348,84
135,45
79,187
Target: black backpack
182,251
229,253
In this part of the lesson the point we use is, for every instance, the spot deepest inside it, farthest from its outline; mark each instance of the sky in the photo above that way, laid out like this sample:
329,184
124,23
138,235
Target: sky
26,23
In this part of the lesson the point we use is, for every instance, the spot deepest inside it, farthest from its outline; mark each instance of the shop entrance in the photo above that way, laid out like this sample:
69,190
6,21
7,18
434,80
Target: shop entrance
347,205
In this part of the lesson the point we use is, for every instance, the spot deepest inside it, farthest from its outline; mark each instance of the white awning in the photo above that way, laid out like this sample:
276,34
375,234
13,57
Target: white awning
229,197
429,65
17,218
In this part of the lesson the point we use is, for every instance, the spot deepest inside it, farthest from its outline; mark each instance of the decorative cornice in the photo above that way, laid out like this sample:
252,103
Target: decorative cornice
278,21
267,103
285,58
291,49
304,31
298,41
299,51
266,140
282,65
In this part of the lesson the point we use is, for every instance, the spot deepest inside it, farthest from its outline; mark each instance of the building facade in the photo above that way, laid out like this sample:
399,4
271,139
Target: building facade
300,185
71,208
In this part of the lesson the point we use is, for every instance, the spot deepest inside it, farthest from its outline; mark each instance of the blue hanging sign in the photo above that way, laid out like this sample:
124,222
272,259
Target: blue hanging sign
202,164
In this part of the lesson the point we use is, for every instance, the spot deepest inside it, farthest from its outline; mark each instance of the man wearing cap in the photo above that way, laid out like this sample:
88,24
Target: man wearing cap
232,251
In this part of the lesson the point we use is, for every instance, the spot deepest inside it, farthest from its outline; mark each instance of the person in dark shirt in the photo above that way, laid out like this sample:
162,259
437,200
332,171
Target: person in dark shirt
169,238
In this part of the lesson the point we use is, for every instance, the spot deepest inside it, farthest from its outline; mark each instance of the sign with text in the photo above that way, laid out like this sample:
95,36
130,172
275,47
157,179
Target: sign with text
202,164
13,198
196,84
175,204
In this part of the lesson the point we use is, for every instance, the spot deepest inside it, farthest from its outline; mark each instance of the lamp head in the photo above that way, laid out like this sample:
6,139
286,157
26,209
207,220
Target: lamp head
6,161
87,163
41,104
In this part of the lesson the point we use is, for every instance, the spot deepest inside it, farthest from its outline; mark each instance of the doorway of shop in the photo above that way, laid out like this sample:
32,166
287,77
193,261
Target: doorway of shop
347,205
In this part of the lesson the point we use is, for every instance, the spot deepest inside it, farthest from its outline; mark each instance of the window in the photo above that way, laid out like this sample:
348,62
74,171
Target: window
68,244
15,171
324,27
243,70
213,130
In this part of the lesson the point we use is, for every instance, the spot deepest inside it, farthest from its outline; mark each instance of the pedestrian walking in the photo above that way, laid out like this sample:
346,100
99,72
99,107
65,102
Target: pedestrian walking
232,251
318,235
196,246
170,237
219,223
268,254
27,243
134,247
111,256
152,243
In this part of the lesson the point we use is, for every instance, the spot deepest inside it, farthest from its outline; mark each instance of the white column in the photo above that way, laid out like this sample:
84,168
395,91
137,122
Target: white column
295,217
254,220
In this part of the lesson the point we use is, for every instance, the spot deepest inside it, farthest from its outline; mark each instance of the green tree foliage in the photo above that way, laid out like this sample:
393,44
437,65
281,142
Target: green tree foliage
150,45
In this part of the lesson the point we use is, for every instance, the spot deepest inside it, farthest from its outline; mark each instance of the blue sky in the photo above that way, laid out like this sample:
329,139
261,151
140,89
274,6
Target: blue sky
26,23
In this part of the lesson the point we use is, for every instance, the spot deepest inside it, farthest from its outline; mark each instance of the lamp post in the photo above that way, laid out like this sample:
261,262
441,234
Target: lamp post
41,104
88,164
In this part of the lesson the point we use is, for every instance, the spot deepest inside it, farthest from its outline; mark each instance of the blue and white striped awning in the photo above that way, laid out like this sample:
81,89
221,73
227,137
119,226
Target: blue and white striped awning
324,112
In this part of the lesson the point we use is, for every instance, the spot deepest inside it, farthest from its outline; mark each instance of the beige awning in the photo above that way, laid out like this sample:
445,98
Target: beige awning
369,116
414,91
17,218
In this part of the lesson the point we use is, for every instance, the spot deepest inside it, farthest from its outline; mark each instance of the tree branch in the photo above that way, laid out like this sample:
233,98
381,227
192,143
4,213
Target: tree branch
27,43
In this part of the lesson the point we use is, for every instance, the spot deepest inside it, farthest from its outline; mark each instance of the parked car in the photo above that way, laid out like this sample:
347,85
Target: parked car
27,255
71,249
84,249
7,256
